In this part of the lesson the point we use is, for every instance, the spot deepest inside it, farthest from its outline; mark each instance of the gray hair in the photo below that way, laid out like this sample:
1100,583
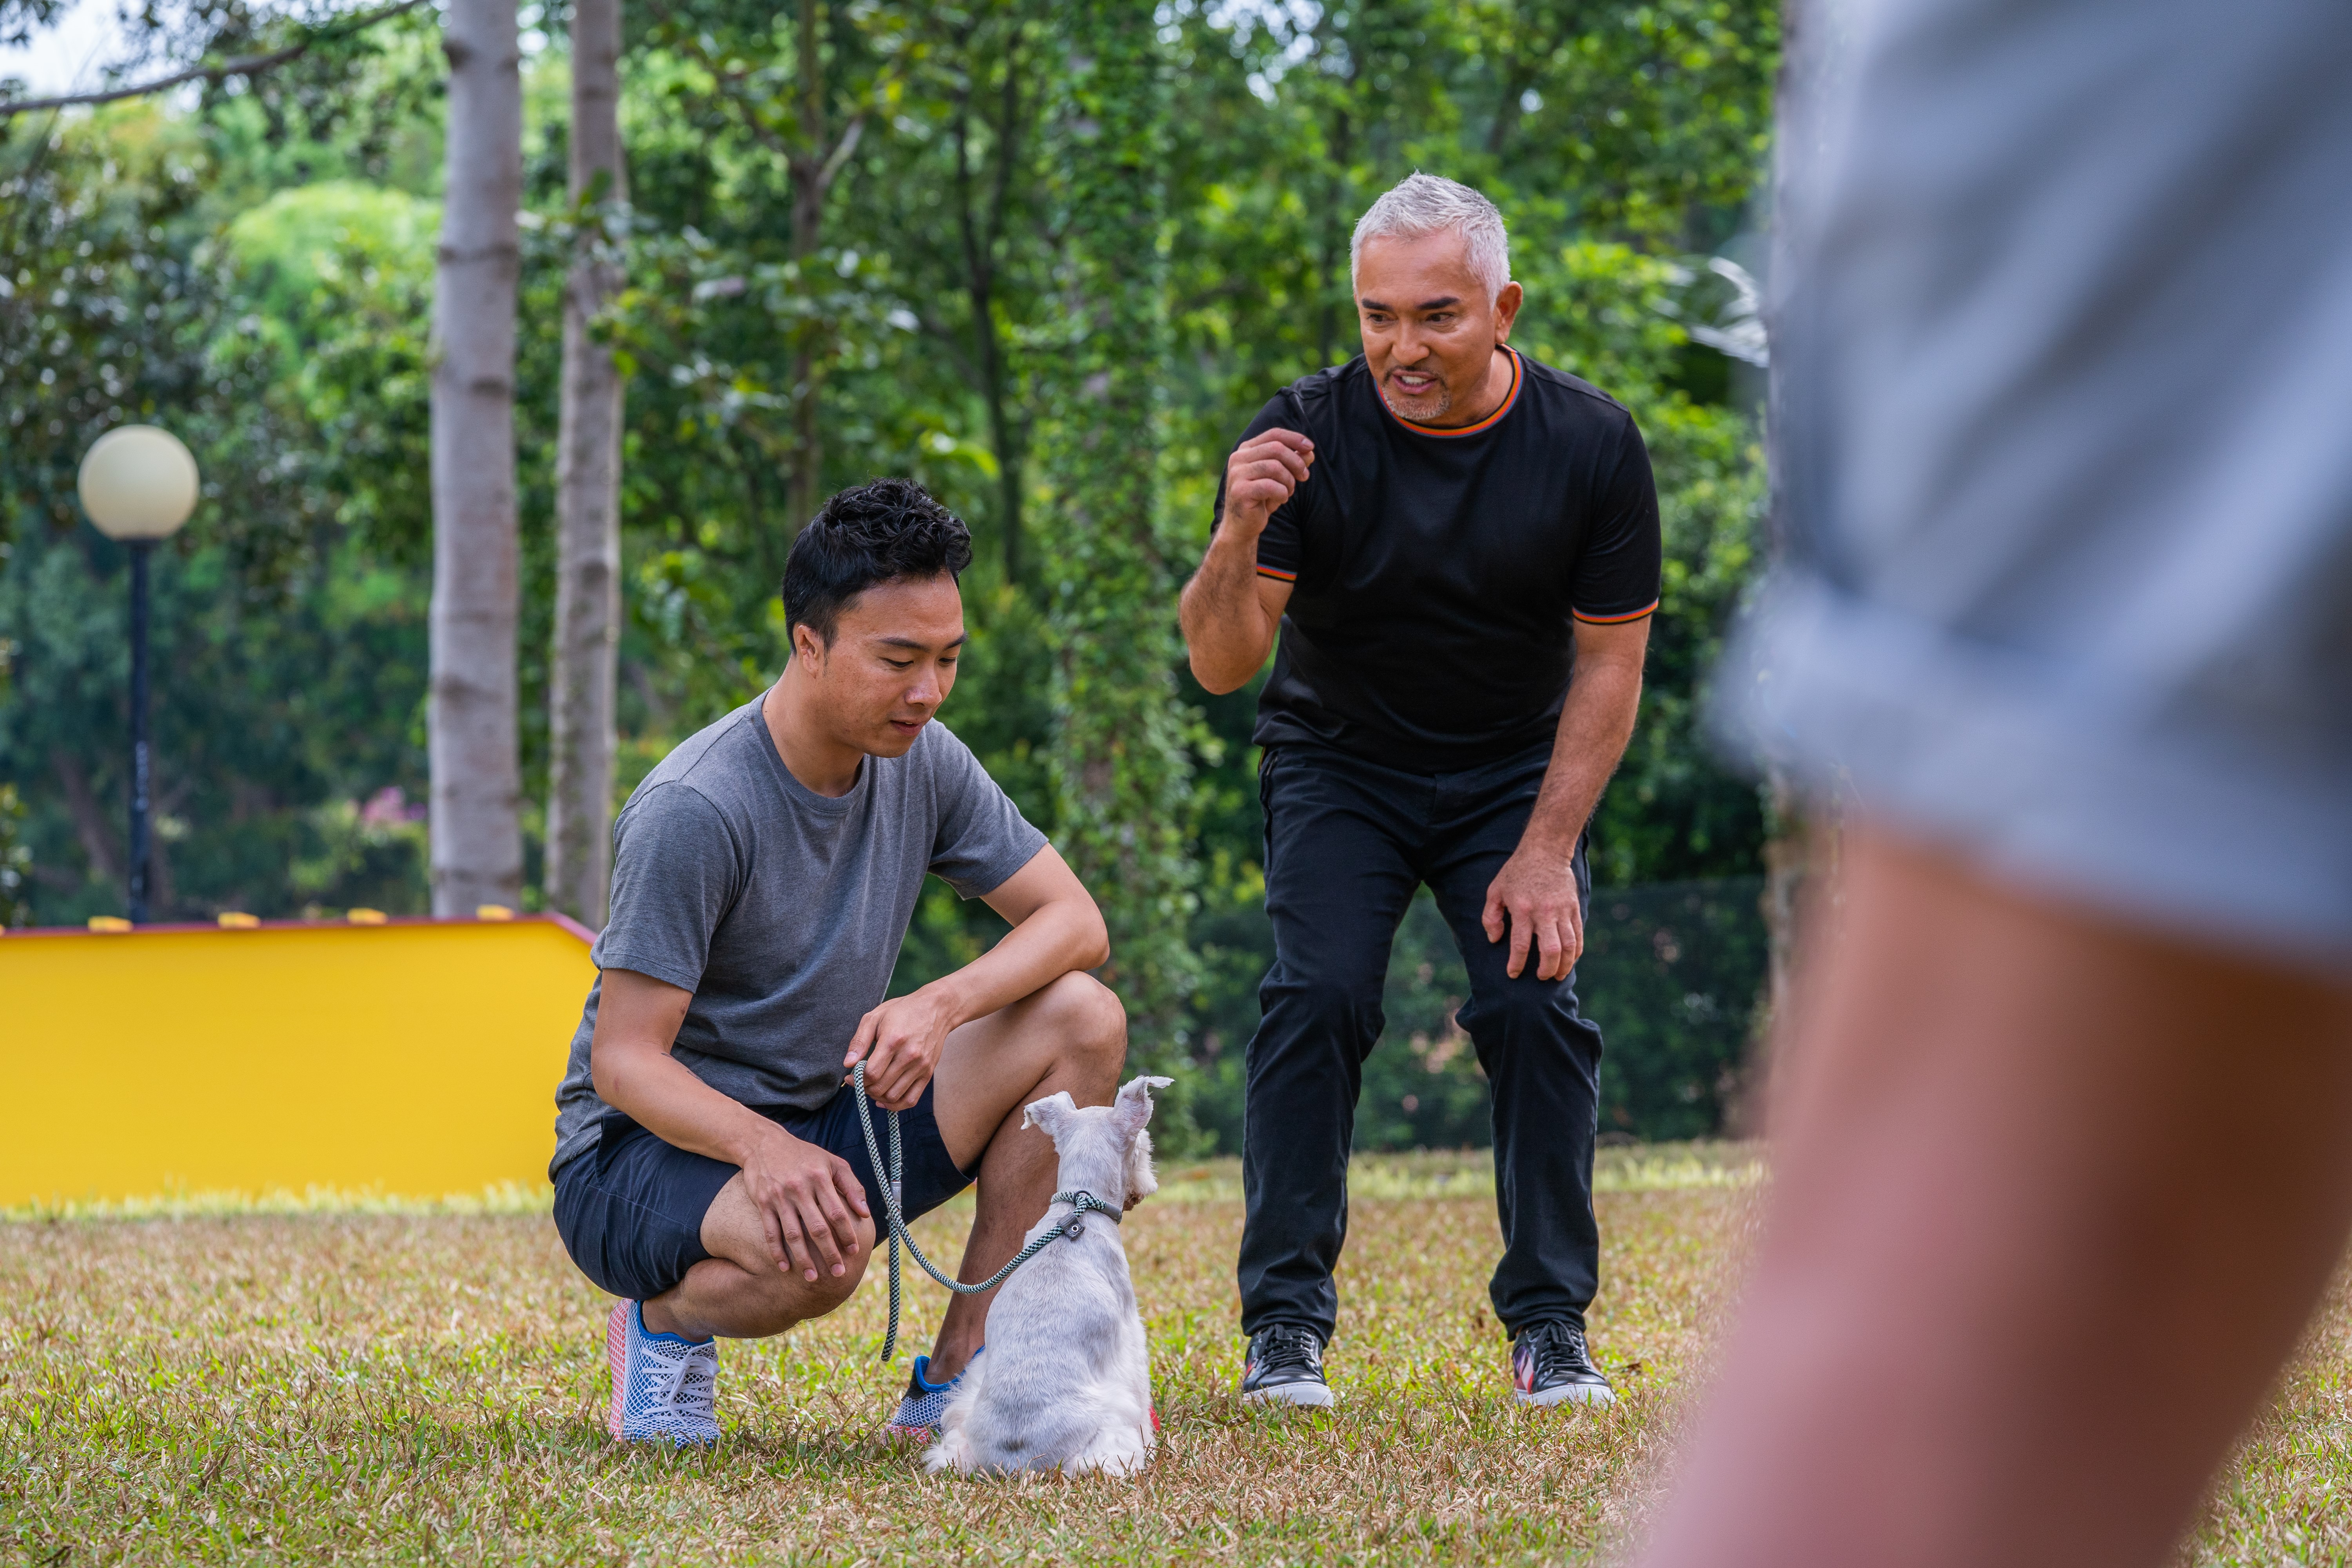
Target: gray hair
1422,205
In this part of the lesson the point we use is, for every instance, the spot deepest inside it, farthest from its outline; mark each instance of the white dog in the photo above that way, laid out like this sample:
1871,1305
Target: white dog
1065,1381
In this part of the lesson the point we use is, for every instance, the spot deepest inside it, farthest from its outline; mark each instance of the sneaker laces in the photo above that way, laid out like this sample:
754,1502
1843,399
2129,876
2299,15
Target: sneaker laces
1558,1352
676,1370
1284,1349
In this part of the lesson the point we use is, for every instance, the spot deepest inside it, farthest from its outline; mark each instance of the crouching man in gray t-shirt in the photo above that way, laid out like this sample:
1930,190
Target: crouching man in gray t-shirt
709,1166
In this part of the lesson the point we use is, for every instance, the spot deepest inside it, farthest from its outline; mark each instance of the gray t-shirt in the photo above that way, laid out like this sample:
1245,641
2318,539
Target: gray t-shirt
780,910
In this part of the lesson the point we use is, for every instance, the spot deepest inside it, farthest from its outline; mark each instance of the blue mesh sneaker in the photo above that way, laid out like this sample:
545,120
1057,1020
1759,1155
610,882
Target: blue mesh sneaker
1550,1365
918,1420
664,1386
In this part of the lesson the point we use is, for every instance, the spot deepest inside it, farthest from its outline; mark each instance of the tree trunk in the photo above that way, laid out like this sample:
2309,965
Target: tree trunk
1121,765
587,493
810,180
470,719
981,239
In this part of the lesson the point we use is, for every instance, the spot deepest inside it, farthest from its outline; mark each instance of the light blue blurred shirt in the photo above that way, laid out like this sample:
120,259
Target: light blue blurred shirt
2065,435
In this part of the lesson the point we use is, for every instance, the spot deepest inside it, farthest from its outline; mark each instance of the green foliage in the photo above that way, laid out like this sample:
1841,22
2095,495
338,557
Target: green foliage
1608,313
16,861
338,278
1671,976
1121,770
1068,254
97,276
267,709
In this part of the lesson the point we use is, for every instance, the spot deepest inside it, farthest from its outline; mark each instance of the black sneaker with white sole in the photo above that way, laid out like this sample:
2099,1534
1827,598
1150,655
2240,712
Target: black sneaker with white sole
1284,1367
1550,1365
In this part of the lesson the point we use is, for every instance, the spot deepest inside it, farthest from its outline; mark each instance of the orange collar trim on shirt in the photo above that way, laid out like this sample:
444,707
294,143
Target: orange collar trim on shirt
1518,376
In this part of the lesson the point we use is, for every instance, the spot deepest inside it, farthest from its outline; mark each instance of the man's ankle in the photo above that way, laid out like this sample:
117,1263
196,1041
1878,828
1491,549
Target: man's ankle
659,1318
947,1361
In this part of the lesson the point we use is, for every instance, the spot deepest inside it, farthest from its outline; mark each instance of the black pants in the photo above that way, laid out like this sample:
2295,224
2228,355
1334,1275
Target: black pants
1346,842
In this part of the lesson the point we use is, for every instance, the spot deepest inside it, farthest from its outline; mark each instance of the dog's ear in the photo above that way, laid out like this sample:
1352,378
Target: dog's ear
1142,1181
1051,1115
1133,1107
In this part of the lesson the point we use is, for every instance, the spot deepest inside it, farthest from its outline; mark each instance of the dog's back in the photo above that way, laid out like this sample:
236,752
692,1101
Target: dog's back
1066,1380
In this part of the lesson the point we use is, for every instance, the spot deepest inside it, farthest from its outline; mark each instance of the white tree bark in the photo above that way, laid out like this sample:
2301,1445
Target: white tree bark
477,832
587,494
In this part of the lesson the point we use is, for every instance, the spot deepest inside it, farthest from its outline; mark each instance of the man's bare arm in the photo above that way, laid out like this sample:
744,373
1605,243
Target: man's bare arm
806,1196
1535,894
1229,613
1056,929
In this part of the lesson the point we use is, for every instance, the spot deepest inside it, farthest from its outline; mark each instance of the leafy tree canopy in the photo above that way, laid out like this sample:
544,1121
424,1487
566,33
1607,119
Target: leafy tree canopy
938,255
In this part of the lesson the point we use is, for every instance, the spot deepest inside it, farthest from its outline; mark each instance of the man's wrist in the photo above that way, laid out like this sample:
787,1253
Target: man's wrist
1549,840
951,996
752,1134
1239,536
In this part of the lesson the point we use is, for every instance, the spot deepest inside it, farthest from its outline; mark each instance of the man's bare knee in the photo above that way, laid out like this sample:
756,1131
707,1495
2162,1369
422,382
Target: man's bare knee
778,1298
1091,1021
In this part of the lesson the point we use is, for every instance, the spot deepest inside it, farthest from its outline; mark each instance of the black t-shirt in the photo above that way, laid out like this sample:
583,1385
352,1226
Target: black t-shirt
1439,573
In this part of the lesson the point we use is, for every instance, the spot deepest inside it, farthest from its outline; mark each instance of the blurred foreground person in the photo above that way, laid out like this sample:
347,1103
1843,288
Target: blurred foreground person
2066,1112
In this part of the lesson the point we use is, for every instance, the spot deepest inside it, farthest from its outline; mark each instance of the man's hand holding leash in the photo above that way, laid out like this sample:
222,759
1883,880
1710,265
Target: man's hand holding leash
901,1042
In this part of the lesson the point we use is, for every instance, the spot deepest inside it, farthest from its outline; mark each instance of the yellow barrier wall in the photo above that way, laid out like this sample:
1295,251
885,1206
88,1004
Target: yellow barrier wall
418,1058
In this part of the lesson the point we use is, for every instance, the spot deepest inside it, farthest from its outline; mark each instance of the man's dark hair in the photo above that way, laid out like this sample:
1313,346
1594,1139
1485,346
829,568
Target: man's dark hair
874,532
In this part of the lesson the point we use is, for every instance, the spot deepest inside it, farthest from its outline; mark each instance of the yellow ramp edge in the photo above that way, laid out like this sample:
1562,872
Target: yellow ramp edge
416,1059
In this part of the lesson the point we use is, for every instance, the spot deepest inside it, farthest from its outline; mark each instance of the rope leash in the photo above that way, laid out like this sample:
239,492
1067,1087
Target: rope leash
1072,1227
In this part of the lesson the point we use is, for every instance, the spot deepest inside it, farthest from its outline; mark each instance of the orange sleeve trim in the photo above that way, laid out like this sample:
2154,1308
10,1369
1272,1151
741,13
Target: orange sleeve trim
1278,574
1616,620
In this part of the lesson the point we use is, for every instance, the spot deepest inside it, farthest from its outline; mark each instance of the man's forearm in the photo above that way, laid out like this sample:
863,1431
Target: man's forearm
1595,723
1225,626
662,1095
1057,939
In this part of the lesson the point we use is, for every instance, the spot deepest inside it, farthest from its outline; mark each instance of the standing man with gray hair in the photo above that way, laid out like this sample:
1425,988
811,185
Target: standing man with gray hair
1459,547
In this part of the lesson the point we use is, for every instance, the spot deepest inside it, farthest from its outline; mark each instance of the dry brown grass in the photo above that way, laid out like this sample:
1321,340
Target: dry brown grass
372,1387
375,1387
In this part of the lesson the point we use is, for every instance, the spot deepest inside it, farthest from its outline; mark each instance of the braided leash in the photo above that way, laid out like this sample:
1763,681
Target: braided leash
1072,1227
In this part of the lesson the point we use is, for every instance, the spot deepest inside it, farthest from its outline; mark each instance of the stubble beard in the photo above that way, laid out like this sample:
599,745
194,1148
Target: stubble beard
1422,410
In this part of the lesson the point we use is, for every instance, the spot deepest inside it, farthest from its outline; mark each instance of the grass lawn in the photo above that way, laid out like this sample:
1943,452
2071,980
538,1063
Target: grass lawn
340,1384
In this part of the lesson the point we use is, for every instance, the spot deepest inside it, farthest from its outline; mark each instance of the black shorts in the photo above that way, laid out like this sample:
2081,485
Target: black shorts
630,1210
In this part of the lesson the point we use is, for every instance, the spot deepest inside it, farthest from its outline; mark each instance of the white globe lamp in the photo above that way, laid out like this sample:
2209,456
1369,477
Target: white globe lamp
138,484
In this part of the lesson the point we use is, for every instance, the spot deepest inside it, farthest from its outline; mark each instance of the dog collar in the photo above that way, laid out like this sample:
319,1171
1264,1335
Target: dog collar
1083,1201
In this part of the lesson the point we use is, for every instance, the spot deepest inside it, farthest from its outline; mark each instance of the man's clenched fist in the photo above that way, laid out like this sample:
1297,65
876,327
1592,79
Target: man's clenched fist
1261,475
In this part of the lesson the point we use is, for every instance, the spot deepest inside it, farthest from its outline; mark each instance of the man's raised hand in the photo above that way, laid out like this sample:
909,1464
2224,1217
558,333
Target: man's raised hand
806,1197
1261,475
1230,613
901,1042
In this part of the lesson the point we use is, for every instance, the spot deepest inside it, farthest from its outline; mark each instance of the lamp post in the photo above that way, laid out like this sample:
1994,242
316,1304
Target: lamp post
138,485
